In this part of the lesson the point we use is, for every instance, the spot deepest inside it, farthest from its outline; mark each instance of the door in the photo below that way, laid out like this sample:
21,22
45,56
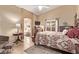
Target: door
27,27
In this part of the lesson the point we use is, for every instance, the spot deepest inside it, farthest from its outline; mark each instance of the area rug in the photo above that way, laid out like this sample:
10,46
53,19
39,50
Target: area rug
40,50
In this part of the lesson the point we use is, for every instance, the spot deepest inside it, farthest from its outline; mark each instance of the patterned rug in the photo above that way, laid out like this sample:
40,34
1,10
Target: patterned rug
41,50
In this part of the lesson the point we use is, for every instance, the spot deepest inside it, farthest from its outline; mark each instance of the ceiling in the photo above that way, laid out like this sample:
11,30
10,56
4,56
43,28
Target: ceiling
34,8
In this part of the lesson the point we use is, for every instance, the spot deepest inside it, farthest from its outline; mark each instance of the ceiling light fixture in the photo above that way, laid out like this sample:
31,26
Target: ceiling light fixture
41,7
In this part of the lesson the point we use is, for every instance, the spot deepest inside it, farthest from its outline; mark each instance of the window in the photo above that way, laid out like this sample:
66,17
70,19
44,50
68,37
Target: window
51,25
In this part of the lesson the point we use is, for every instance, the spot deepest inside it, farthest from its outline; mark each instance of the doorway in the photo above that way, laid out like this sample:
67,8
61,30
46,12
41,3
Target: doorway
27,33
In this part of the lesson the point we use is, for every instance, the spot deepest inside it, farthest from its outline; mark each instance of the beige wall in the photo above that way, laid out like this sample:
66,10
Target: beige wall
9,15
64,13
27,14
78,11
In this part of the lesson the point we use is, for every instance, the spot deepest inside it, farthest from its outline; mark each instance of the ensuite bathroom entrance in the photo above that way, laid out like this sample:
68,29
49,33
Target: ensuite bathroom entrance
27,33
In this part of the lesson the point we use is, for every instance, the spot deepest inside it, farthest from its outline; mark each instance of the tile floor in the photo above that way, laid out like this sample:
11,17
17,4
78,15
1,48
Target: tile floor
18,49
21,46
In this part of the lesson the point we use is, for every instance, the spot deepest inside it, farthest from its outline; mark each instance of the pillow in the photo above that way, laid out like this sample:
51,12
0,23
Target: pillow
70,33
73,33
65,31
76,32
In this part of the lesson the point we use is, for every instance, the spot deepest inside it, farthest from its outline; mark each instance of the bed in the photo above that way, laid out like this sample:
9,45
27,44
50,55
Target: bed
57,40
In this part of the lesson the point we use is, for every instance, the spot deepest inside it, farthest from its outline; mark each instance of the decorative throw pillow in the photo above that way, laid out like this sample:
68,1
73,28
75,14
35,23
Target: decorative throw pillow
76,32
73,33
65,32
70,33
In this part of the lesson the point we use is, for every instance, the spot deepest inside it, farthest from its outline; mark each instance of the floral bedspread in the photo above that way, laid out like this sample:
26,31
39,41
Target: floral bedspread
57,40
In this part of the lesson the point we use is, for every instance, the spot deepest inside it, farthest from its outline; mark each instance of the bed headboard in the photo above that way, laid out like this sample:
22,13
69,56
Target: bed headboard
61,28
